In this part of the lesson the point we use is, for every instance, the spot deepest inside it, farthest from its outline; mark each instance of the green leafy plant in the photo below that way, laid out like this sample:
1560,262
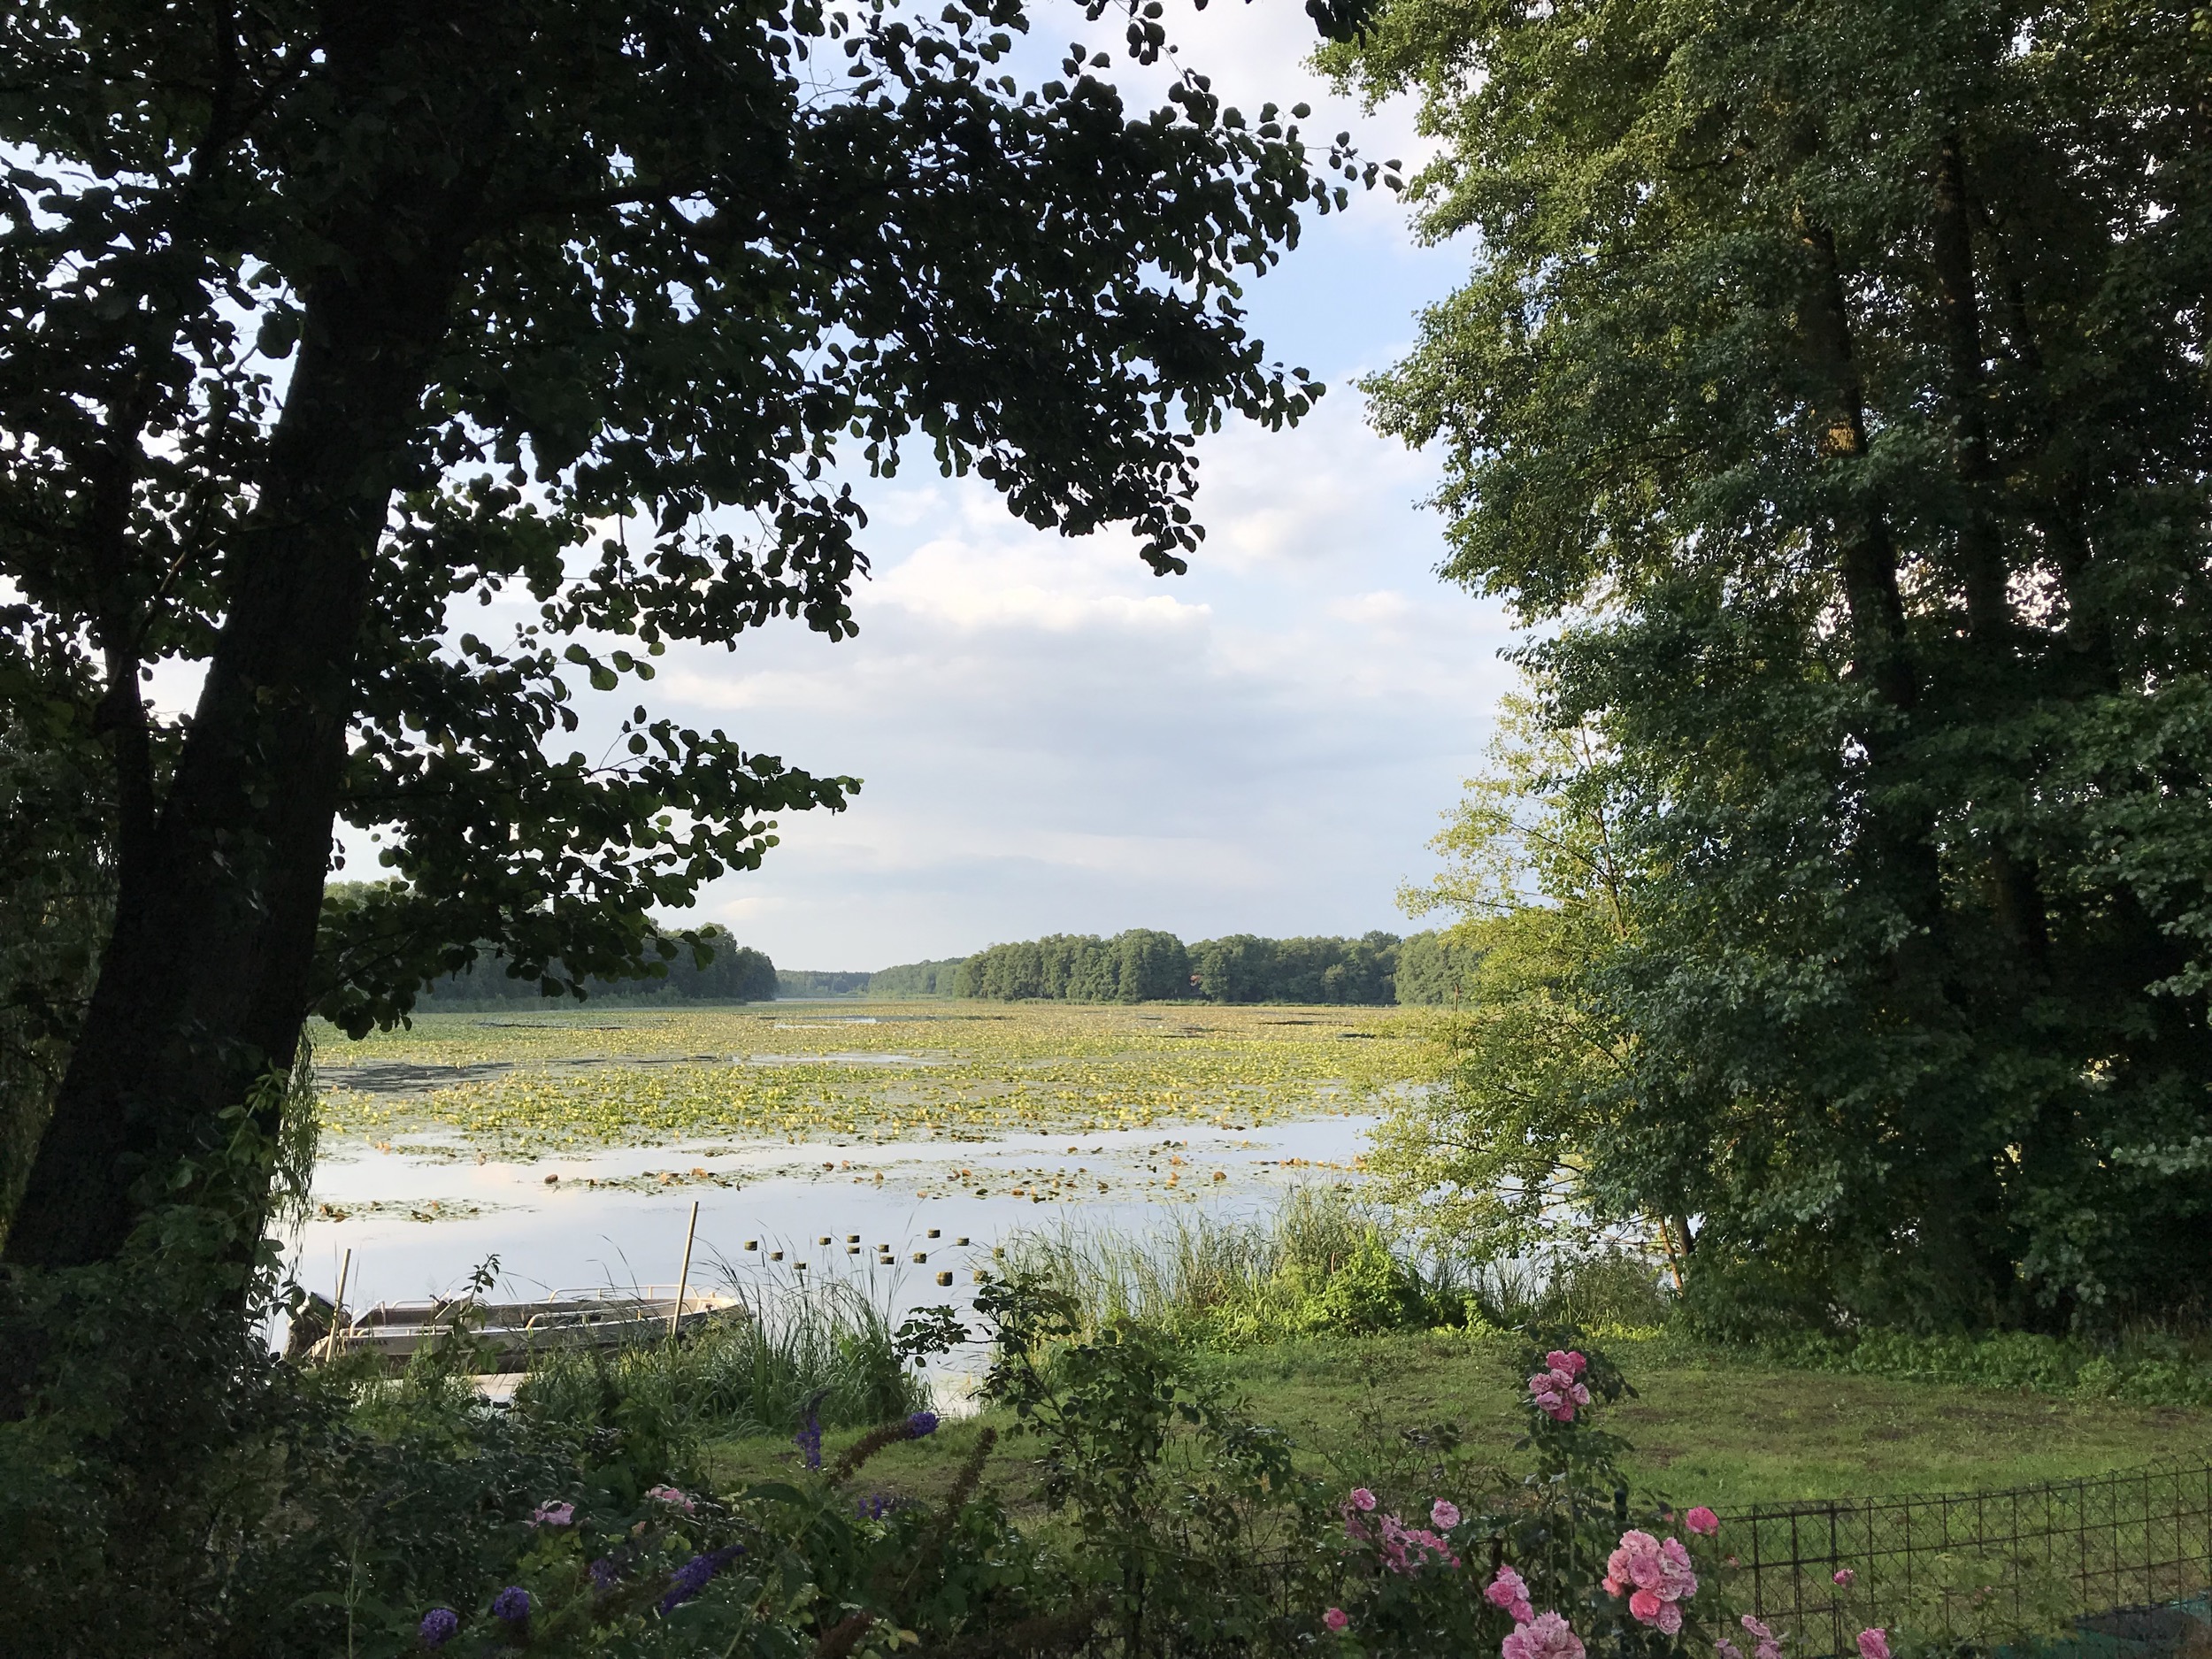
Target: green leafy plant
1177,1500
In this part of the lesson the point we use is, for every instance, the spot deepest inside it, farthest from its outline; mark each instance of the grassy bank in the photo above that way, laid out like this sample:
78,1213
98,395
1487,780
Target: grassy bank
1707,1426
1337,1336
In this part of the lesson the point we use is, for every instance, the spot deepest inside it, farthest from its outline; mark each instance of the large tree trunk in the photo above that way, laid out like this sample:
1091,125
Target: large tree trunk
2014,884
1952,1190
1982,565
202,988
1866,554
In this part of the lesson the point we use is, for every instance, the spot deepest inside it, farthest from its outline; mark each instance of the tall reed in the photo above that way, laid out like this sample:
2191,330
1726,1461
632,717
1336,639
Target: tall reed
825,1348
1322,1261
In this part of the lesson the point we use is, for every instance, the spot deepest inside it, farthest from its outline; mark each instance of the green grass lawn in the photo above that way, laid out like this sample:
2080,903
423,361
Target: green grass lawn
1711,1430
1705,1429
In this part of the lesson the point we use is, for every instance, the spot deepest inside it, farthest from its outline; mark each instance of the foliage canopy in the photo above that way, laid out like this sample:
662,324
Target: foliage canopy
1830,396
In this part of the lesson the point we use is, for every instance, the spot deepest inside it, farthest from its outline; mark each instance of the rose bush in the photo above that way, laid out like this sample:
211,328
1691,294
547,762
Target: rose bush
1541,1565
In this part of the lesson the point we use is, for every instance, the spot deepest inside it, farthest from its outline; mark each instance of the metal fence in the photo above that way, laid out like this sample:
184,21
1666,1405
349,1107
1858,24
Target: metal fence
1976,1562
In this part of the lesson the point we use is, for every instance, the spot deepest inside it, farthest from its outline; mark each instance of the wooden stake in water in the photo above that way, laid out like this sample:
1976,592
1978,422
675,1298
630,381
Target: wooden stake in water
338,1308
684,1277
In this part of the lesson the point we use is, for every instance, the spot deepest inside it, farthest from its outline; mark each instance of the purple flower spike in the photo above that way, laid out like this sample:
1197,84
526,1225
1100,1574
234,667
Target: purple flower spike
511,1604
809,1440
692,1576
438,1625
604,1572
921,1422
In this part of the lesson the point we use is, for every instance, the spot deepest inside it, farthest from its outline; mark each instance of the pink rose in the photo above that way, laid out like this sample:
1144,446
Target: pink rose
1566,1360
1757,1629
1336,1619
1549,1637
1701,1521
1659,1575
1635,1562
1556,1394
1727,1649
674,1499
1509,1591
1846,1577
553,1514
1677,1577
1874,1644
1444,1514
1362,1500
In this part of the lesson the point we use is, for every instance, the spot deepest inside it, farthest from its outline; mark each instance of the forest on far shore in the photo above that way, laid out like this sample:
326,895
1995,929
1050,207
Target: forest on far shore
1146,965
1140,965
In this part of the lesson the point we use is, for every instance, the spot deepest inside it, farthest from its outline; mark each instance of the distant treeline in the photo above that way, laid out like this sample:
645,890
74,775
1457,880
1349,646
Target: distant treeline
1143,965
1140,966
916,978
807,982
738,973
908,979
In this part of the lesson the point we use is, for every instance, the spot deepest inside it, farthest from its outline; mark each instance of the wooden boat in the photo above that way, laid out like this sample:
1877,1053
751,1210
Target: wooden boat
506,1335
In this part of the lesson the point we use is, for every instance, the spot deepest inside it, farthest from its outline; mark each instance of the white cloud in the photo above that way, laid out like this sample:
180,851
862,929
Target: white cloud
1055,739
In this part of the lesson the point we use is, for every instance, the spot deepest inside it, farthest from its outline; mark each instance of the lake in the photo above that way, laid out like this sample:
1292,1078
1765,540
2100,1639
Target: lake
571,1145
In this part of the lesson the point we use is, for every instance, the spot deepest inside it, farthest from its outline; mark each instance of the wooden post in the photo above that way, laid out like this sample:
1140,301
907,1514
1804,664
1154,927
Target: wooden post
684,1277
338,1309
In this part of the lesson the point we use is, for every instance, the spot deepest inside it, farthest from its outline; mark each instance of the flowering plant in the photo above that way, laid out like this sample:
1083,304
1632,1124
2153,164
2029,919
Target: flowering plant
1551,1564
1557,1390
1655,1575
673,1570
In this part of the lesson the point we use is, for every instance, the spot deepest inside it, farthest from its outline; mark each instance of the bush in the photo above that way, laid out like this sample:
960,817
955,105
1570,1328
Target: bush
1324,1265
171,1489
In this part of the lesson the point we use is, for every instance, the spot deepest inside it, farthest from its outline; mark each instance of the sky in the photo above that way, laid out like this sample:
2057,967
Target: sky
1053,740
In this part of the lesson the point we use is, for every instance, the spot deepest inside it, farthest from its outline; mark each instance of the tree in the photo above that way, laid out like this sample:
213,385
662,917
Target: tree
412,367
716,969
1143,965
1434,970
1830,395
1508,1148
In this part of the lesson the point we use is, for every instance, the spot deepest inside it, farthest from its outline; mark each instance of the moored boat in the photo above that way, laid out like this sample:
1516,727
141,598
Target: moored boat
506,1335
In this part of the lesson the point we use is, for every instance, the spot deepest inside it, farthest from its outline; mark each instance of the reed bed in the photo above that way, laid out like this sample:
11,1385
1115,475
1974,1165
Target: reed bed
1322,1262
824,1350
